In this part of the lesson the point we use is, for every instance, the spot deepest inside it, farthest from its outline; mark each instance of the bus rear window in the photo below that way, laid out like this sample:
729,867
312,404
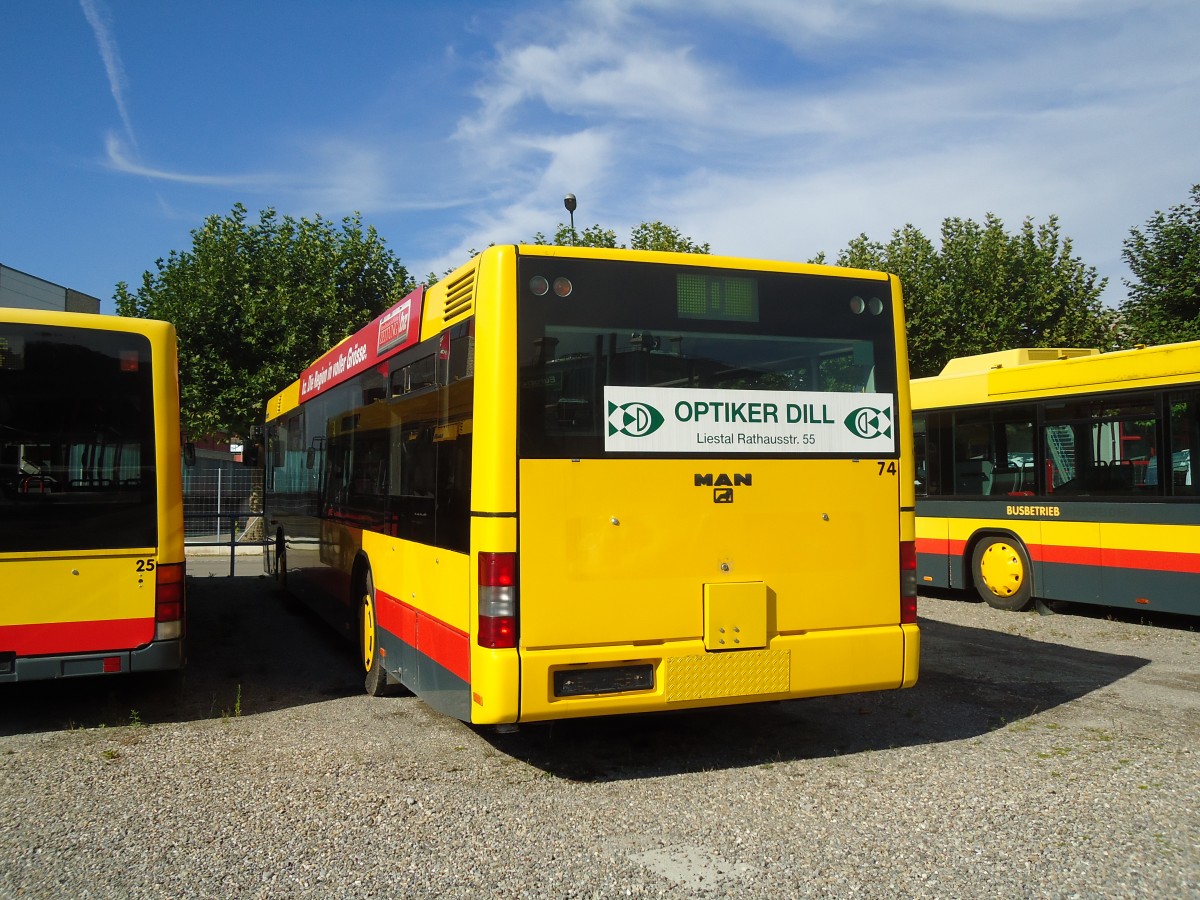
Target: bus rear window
653,326
76,440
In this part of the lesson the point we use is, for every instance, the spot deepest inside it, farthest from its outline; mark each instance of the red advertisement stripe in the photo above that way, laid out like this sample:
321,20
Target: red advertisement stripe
443,643
47,638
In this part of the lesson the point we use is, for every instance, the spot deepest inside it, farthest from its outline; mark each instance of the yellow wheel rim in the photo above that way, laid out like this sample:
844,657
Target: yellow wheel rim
1002,570
368,632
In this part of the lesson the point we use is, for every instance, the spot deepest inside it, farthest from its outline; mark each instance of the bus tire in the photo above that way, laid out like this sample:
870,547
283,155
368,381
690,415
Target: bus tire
1003,577
377,683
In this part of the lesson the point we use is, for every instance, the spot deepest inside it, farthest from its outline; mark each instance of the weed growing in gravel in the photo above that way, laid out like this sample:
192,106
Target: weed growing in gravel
135,719
111,754
237,707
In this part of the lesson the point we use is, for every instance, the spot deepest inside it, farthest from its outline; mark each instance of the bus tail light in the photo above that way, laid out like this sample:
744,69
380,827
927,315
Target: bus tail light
169,591
908,582
497,601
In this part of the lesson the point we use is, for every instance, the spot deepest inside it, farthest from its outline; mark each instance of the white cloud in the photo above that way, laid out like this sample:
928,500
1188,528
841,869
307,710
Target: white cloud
110,54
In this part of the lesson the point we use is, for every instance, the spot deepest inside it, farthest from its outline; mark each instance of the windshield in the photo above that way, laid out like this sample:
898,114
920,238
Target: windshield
588,327
76,439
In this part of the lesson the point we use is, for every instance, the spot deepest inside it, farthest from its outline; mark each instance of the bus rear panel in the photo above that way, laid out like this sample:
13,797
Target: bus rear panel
91,542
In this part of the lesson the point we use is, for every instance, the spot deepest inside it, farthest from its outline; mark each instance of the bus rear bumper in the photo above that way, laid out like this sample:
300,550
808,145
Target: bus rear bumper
154,657
683,675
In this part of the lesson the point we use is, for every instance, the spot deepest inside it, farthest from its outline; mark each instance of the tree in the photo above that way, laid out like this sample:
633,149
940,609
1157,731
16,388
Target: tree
985,289
646,236
253,304
1164,302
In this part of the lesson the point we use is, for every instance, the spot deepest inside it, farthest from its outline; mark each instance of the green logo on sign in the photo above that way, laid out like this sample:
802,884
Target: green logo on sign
633,419
866,422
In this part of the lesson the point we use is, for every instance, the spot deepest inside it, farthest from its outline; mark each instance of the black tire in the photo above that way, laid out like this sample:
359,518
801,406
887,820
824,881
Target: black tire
1003,577
378,682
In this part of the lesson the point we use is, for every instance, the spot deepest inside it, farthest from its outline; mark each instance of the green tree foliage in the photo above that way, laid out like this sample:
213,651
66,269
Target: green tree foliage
646,236
254,303
1164,302
657,236
986,290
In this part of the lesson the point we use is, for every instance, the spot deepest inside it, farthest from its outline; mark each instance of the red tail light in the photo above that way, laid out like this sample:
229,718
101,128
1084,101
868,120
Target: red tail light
169,600
497,601
908,583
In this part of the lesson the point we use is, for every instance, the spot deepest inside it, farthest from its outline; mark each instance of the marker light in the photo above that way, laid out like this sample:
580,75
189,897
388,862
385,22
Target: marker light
908,583
563,286
875,306
169,595
857,305
497,601
539,285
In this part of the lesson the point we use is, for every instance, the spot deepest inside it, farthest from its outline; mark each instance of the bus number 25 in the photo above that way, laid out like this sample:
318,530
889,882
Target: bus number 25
889,467
145,565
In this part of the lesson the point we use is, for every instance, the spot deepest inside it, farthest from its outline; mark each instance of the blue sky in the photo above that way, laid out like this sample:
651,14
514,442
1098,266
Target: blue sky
772,128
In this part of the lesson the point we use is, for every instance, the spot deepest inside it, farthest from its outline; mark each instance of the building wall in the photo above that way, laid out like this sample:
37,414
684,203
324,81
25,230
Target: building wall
30,292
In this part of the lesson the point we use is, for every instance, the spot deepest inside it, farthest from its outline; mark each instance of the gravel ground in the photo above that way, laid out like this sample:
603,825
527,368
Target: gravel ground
1038,757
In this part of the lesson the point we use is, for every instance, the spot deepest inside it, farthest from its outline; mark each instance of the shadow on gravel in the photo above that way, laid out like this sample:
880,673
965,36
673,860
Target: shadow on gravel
1150,618
972,681
247,653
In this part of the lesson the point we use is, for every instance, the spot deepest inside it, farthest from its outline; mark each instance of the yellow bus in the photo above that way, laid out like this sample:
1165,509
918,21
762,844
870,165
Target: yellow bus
91,504
570,482
1062,474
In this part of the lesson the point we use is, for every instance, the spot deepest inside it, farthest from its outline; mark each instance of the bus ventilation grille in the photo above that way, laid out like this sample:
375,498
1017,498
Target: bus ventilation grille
460,295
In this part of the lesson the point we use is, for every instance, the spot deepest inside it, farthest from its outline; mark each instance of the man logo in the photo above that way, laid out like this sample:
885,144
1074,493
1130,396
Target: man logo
866,422
633,419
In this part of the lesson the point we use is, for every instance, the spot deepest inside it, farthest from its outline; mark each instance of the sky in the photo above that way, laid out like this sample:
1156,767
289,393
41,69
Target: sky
768,128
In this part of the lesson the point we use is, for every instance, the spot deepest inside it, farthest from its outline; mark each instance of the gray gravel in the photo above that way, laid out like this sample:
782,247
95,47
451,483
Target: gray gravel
1038,757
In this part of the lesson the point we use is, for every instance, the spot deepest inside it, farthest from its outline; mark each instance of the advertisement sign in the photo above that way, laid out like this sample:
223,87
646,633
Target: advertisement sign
694,420
395,330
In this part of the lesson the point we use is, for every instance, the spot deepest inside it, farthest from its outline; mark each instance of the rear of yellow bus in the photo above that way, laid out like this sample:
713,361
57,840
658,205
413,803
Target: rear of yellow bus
91,522
714,498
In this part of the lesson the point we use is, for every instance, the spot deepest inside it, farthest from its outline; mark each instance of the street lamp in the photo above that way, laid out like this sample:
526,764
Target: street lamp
569,203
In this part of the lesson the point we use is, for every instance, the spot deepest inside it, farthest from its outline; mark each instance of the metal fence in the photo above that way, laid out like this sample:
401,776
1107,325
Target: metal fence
218,496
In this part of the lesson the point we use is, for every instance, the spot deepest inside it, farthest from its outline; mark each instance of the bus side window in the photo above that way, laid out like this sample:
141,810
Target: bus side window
1184,437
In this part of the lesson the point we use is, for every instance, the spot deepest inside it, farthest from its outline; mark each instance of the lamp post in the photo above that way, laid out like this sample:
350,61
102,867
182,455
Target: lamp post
569,203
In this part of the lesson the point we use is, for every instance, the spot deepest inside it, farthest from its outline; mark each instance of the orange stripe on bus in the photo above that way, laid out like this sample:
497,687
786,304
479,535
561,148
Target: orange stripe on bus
443,643
46,638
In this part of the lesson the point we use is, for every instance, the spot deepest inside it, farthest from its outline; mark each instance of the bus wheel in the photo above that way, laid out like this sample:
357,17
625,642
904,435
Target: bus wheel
377,683
1002,573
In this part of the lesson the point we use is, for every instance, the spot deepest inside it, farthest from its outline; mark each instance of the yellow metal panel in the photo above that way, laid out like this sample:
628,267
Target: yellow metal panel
60,587
167,447
284,402
735,616
495,686
495,674
432,579
686,676
712,675
618,551
912,655
494,429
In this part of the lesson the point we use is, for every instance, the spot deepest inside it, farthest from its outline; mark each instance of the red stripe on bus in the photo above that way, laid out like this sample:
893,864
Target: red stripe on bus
1156,560
107,635
1101,557
940,546
441,642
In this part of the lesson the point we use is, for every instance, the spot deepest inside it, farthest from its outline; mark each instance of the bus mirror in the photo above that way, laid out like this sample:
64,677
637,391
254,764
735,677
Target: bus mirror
250,454
310,458
189,454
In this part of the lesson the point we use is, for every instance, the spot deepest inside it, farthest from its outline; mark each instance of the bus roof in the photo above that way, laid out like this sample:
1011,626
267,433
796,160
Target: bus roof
1031,373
